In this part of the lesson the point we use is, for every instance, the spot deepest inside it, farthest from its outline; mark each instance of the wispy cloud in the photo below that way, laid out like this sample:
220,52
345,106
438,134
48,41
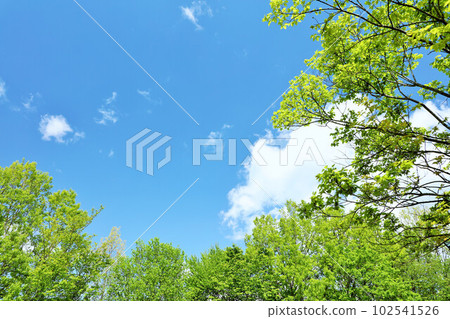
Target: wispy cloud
214,135
148,96
197,9
56,127
2,90
108,112
77,136
144,93
108,115
111,153
111,99
29,103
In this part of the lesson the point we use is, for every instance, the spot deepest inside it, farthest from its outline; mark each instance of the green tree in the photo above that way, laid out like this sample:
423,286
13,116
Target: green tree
367,82
297,258
44,252
282,258
430,276
114,247
206,280
154,271
219,275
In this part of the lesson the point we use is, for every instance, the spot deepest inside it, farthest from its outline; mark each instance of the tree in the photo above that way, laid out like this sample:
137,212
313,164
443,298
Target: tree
219,275
114,247
430,276
297,258
283,262
44,254
154,271
368,82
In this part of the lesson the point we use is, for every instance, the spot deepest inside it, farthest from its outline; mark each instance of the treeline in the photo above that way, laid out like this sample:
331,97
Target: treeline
284,259
46,255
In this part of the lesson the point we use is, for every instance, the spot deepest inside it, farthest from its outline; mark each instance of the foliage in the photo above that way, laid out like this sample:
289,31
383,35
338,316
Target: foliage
154,271
367,82
430,276
296,258
44,254
311,259
114,247
219,275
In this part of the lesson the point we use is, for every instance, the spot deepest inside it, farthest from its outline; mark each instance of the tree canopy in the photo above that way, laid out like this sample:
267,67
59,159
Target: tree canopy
290,258
298,258
382,63
44,252
154,271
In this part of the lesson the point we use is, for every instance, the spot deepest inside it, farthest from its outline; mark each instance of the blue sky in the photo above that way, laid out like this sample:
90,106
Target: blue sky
70,98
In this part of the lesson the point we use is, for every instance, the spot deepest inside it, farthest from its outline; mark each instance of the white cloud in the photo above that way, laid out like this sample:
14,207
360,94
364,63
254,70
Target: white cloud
108,112
211,142
215,135
267,187
197,9
189,14
422,118
2,90
108,115
57,127
111,99
30,101
144,93
111,153
147,95
77,136
27,103
282,167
